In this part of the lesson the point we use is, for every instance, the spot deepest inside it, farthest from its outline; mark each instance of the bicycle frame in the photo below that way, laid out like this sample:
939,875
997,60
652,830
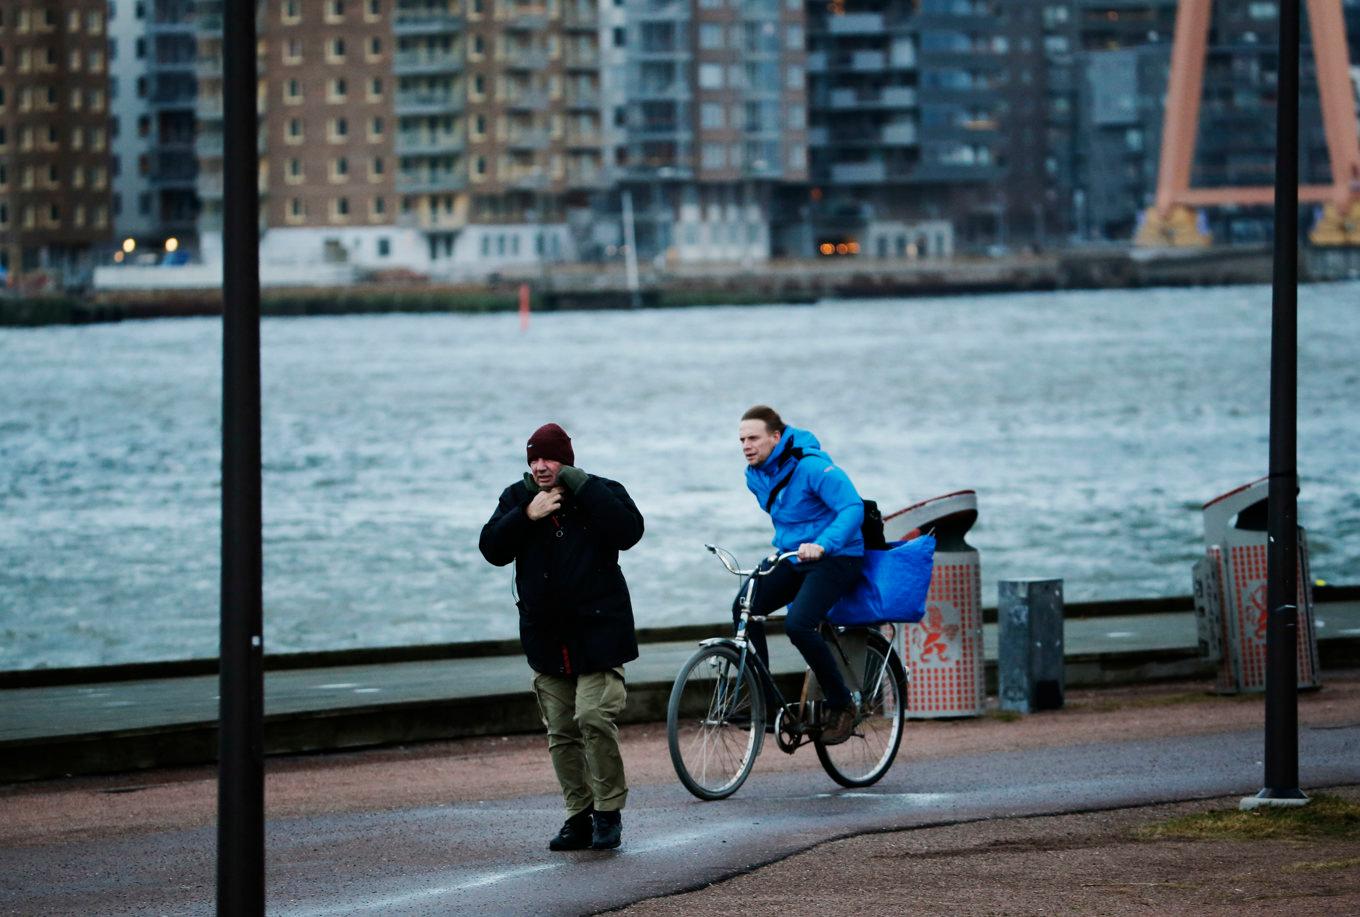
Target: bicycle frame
742,644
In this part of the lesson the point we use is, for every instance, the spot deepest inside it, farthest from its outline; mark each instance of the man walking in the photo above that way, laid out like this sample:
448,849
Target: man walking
817,512
564,529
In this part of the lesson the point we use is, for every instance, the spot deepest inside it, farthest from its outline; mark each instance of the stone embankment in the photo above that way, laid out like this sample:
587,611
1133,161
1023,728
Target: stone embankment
594,286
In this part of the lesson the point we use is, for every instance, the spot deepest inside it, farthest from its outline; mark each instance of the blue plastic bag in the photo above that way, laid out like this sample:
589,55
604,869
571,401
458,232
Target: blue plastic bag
891,587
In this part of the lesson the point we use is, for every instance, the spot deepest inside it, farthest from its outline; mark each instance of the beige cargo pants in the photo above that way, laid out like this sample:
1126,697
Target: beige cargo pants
579,712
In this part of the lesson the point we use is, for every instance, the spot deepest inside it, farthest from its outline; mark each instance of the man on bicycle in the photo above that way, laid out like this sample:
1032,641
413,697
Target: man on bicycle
816,512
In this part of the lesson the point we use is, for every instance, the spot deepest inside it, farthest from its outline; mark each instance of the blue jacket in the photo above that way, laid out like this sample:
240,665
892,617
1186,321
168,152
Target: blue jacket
818,504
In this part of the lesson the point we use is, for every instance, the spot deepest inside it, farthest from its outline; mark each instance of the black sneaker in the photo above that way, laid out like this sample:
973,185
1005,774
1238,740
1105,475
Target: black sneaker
608,830
575,833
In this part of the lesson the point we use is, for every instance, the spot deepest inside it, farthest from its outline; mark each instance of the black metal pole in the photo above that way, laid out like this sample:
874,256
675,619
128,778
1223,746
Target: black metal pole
1282,714
240,782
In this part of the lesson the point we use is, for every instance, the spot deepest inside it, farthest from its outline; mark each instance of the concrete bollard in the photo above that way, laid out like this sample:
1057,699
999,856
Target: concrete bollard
1029,616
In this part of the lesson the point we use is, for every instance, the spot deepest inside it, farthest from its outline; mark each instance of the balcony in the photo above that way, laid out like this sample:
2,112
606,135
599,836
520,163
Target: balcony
856,24
582,16
858,173
531,21
414,63
583,139
530,59
582,58
527,139
424,181
424,143
899,97
899,134
426,23
533,100
428,103
589,98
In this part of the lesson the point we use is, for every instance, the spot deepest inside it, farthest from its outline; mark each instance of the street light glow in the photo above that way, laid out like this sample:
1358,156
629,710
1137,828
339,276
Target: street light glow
129,245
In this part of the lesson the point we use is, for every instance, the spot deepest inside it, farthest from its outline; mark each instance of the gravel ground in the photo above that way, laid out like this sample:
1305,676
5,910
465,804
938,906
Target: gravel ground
1075,864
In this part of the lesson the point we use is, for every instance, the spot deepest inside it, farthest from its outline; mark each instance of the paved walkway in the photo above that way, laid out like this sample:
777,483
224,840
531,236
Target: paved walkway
85,728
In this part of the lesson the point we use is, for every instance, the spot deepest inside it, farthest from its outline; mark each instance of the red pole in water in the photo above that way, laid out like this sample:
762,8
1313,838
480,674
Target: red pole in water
523,307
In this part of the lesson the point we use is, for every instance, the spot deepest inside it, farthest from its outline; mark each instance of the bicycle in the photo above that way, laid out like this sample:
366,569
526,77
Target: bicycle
715,720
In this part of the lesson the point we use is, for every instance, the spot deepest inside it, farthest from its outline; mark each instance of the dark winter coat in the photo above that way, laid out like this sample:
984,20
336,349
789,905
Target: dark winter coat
575,615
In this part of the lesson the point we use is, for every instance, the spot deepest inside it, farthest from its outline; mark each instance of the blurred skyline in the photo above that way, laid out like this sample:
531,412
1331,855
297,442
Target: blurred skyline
454,138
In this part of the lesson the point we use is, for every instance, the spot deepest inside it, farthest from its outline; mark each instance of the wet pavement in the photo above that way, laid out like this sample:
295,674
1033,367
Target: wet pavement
489,857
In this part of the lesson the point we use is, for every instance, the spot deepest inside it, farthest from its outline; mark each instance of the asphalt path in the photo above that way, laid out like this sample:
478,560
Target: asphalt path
490,857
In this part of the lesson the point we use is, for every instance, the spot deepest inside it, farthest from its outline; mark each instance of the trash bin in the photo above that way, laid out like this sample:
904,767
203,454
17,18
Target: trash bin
944,650
1029,651
1230,592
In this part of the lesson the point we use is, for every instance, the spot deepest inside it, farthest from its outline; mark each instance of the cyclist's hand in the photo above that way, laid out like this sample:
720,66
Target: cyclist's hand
544,504
810,550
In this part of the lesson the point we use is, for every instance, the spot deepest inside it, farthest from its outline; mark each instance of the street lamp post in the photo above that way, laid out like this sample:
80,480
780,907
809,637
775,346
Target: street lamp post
240,782
1282,713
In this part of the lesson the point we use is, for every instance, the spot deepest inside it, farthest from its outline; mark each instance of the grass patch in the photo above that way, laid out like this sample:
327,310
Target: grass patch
1004,716
1325,816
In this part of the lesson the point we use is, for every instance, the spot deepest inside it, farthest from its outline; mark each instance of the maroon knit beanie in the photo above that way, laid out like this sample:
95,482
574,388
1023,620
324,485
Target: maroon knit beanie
551,442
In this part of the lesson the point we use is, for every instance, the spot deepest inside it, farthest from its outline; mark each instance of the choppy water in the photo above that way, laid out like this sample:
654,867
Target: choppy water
1093,425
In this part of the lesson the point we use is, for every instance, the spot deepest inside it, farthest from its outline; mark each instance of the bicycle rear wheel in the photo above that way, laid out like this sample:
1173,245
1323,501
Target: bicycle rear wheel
866,756
715,722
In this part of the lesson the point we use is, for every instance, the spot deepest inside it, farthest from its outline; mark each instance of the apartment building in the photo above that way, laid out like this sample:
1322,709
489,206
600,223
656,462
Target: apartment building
906,110
446,137
152,53
716,124
54,144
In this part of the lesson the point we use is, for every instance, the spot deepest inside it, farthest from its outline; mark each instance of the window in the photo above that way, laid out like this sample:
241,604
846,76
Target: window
294,174
375,128
373,10
710,76
292,51
377,168
339,169
342,207
339,129
711,115
375,89
374,48
292,12
335,50
337,90
335,10
384,243
292,92
296,214
295,134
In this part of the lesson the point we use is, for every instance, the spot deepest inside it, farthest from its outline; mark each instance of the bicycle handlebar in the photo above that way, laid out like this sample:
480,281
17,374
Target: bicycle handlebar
730,561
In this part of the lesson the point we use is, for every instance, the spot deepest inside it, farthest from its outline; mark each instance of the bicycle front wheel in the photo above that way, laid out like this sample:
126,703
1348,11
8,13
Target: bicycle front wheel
866,756
715,722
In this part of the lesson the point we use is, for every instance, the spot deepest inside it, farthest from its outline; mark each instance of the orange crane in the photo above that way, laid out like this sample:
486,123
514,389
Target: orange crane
1171,219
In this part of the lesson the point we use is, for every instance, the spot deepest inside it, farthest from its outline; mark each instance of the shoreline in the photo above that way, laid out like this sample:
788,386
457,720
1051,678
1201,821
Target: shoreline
603,287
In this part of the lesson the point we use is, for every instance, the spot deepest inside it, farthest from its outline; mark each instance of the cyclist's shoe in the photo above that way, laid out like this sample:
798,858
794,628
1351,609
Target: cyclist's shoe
608,830
840,723
575,833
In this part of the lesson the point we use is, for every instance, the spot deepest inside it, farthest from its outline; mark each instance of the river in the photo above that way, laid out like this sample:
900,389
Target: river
1093,425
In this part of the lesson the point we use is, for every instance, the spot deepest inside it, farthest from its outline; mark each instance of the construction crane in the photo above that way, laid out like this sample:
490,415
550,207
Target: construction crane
1173,219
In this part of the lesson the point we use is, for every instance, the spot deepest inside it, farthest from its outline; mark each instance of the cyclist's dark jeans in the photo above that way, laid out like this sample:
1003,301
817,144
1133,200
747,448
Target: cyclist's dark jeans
809,589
